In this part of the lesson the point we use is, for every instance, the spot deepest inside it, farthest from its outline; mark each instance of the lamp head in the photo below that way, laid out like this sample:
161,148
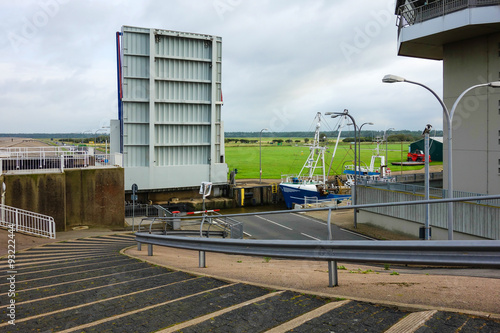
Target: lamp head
389,78
494,84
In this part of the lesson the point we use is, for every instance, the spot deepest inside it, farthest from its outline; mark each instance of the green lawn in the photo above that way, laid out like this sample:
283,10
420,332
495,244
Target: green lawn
288,159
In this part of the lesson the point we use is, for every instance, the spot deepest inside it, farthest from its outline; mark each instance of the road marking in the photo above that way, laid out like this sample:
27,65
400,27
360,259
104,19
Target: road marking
309,218
357,234
246,233
310,236
281,225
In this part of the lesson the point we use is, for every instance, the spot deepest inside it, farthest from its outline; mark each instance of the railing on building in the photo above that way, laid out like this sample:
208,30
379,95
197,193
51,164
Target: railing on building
27,222
416,177
417,11
46,159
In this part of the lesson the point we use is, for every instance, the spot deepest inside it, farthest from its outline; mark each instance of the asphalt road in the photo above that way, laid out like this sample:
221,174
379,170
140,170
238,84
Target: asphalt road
292,226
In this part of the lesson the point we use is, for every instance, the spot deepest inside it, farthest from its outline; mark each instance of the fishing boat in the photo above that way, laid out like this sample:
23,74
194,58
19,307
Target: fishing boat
310,184
369,174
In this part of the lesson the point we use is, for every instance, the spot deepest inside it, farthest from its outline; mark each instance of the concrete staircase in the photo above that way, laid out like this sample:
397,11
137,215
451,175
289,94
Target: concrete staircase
86,285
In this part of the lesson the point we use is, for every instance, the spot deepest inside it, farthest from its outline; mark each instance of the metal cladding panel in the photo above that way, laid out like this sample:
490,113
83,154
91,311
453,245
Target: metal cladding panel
185,48
171,84
175,69
183,91
136,112
182,135
138,134
182,155
182,113
136,156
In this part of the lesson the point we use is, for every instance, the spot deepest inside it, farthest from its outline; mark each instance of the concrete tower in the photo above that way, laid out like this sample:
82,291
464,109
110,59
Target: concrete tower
465,35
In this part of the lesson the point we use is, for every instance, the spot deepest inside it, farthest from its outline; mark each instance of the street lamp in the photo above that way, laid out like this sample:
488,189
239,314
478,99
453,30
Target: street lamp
100,129
359,151
260,154
385,138
353,191
449,116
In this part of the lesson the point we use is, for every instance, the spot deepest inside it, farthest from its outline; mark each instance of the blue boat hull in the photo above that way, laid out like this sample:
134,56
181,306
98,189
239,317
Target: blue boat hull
294,195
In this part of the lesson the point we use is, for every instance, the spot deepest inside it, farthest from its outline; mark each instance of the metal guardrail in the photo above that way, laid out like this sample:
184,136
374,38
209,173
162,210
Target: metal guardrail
456,253
413,12
435,192
28,222
31,159
483,253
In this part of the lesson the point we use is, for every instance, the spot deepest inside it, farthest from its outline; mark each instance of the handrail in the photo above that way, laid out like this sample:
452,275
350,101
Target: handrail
481,253
411,12
478,253
385,204
21,220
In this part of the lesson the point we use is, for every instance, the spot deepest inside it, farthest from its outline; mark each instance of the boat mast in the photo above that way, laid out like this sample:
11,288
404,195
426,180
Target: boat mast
312,163
342,122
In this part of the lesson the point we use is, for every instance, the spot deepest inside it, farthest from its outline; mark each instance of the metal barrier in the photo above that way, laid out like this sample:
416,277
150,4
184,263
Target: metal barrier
416,11
484,253
28,222
44,159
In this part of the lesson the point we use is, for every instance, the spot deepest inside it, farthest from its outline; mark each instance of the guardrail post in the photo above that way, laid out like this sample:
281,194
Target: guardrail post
333,278
202,262
139,246
150,250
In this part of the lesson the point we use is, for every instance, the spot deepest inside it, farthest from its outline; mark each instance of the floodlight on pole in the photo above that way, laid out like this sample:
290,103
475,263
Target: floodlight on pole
449,116
260,154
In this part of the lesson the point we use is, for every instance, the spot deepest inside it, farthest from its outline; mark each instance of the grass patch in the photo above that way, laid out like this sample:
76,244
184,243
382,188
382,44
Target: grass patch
288,159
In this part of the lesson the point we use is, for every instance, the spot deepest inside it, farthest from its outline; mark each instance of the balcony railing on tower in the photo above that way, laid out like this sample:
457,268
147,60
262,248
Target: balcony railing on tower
416,11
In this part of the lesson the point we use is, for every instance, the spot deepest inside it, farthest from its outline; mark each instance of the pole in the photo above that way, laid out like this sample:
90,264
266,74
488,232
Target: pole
401,157
260,158
448,117
427,206
260,155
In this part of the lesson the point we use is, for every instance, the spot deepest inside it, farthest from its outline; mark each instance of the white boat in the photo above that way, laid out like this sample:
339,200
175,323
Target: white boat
310,183
368,174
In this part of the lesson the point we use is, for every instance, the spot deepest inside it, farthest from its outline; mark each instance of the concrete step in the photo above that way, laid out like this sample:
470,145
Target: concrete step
116,293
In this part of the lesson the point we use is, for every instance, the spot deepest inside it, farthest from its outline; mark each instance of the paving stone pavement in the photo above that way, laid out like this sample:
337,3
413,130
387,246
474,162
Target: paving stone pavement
87,285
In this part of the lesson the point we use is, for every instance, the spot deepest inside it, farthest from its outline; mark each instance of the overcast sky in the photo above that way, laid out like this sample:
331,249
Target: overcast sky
282,61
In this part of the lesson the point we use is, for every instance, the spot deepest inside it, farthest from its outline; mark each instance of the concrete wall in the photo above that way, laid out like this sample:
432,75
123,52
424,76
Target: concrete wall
39,193
95,197
408,227
476,122
76,197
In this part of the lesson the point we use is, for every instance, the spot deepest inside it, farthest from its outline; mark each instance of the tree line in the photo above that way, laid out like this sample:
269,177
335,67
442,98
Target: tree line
399,135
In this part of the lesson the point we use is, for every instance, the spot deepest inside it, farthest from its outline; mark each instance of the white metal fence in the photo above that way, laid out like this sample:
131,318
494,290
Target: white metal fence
479,218
28,222
29,159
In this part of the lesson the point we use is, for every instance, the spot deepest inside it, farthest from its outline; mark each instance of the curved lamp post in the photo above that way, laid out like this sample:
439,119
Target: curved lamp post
385,138
449,117
260,154
353,192
359,150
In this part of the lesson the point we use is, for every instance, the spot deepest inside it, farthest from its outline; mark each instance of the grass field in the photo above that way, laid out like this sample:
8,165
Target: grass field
288,159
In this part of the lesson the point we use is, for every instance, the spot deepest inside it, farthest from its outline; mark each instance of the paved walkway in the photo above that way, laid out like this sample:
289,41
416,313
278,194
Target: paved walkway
87,285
